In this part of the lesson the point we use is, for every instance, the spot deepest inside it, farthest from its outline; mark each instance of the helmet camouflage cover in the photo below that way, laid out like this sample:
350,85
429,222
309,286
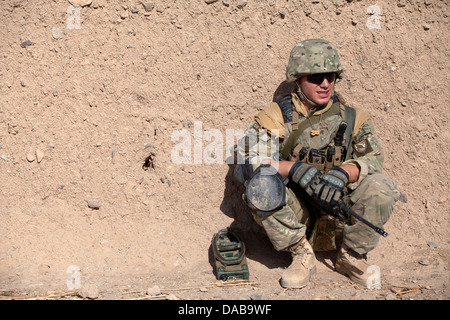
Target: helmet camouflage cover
313,56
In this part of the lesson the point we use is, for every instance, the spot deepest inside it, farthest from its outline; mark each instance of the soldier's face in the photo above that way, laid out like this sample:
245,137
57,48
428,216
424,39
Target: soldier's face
318,88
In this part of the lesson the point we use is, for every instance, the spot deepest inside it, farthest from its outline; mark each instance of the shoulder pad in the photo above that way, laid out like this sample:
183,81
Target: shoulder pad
360,118
271,118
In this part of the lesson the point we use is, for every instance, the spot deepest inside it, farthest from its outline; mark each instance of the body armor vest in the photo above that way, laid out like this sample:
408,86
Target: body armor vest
330,156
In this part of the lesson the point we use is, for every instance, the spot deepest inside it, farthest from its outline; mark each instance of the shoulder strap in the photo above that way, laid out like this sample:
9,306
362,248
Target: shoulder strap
285,103
349,117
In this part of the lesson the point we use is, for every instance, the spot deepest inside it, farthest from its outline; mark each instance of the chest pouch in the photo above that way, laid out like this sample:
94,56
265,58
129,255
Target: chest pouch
326,158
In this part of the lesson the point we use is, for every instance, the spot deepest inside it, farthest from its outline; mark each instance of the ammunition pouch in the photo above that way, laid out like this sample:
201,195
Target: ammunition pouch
323,159
326,158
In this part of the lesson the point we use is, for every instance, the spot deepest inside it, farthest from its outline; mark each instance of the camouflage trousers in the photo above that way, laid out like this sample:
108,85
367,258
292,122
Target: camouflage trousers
373,199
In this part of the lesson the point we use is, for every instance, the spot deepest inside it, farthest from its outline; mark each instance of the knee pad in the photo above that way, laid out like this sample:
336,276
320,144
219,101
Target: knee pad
265,191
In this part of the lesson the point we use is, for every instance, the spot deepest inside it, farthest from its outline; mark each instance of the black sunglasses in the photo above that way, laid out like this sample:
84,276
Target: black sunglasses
319,77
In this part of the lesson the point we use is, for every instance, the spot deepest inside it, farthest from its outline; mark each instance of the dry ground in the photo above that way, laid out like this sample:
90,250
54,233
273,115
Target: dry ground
88,101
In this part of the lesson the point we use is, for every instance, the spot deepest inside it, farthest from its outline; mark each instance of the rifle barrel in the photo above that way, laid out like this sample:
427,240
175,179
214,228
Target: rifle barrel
380,231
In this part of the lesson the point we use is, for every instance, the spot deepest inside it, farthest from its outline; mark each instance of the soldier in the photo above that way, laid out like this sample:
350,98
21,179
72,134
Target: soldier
327,151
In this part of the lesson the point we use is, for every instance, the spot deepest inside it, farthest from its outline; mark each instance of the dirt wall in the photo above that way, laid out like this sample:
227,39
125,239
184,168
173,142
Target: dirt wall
88,110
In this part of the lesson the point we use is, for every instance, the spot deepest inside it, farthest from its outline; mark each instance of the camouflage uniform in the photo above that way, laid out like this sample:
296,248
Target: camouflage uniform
372,196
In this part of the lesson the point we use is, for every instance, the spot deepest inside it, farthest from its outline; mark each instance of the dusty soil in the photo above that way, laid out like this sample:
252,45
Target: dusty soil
87,112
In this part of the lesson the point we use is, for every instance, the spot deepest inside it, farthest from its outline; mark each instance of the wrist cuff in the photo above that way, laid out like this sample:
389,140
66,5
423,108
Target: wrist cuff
342,171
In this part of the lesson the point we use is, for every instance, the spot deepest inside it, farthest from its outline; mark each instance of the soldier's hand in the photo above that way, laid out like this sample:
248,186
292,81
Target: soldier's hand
330,186
305,175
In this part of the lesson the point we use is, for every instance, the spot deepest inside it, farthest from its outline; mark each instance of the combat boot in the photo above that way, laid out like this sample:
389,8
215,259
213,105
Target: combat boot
303,266
355,266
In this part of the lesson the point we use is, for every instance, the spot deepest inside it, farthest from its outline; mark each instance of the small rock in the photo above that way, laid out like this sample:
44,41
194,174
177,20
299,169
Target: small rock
202,289
89,291
426,26
172,297
44,268
442,200
424,262
80,3
26,44
226,2
124,14
30,157
210,1
148,6
93,204
39,155
432,244
241,4
161,8
57,34
307,11
153,291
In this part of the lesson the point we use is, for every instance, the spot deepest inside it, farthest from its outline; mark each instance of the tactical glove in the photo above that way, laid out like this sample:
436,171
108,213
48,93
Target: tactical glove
329,189
305,175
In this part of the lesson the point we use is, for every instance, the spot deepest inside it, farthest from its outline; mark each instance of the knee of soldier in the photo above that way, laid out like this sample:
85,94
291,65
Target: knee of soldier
242,172
376,190
285,226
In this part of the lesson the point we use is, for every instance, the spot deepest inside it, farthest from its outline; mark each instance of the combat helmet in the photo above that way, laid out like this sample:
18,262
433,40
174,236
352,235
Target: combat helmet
313,56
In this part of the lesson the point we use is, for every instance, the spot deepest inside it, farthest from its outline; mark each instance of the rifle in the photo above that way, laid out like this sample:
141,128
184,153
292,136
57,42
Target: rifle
342,212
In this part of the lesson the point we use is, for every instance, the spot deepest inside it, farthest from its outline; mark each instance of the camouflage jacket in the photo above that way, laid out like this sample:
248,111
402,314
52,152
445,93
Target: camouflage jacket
266,135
